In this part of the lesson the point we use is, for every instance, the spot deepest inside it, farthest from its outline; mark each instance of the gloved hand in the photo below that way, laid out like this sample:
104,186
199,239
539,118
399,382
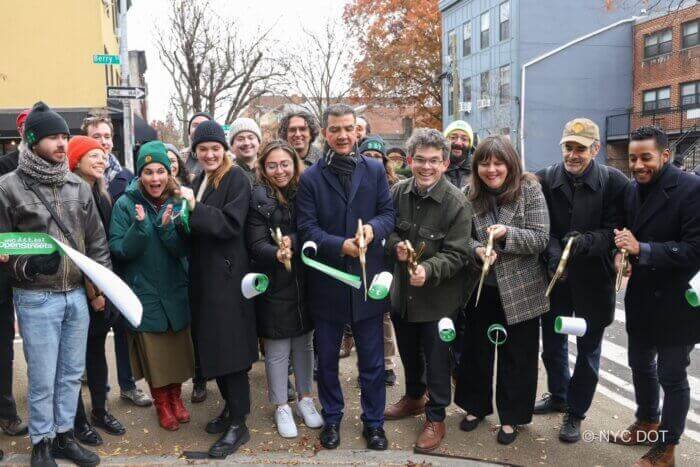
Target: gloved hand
46,265
580,246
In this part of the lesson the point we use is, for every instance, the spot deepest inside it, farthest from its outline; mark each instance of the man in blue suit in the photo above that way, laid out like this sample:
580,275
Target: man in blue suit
333,194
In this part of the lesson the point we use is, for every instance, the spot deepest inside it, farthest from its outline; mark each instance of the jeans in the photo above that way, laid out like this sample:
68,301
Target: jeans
277,359
666,366
54,327
576,391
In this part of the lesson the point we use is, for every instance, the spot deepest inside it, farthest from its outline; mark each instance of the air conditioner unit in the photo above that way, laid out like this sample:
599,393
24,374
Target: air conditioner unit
483,103
465,107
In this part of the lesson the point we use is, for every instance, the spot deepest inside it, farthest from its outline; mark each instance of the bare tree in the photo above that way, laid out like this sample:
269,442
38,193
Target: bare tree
212,67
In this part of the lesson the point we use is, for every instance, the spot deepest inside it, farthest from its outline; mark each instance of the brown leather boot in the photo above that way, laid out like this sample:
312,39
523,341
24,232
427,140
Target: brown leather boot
405,407
431,436
659,455
637,434
346,346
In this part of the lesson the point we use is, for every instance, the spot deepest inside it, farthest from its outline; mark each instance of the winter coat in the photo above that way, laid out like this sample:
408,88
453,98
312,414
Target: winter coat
152,261
223,321
282,310
312,156
119,184
594,210
459,173
8,162
327,216
443,221
657,312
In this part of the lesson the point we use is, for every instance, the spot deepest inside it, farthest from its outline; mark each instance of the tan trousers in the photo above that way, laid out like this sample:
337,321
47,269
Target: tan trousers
390,350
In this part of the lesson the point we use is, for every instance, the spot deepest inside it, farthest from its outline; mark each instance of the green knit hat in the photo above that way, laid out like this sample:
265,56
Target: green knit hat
153,151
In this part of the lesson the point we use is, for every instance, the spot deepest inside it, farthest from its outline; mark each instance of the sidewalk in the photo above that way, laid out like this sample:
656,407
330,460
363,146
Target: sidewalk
147,444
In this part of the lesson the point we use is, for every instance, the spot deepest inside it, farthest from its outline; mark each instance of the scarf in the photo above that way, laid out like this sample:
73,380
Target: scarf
343,167
41,170
492,201
113,168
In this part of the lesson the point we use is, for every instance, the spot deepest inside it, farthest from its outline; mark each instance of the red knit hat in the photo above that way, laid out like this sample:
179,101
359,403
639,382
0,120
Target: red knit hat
78,146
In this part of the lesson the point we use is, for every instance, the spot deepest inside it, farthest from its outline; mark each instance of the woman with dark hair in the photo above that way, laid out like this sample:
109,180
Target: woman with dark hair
282,316
177,166
510,207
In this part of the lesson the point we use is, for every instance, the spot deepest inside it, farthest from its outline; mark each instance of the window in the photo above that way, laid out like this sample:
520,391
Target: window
467,38
690,34
657,99
485,30
658,43
504,83
504,29
485,85
690,94
467,90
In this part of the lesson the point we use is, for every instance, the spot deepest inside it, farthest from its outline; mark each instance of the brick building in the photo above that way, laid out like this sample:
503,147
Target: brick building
665,88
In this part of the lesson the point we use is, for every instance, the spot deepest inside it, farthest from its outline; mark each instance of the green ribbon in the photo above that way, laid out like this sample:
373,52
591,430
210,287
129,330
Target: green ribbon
379,288
261,283
492,334
185,216
692,297
27,243
344,277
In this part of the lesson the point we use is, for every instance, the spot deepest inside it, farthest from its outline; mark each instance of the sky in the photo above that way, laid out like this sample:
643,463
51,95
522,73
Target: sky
286,16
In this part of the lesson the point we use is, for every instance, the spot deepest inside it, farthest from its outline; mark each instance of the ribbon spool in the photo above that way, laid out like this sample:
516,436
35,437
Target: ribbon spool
692,297
379,288
254,284
493,334
446,330
570,325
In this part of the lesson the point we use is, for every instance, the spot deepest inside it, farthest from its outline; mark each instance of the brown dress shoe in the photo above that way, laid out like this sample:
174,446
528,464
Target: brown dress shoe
405,407
658,456
431,437
346,346
637,434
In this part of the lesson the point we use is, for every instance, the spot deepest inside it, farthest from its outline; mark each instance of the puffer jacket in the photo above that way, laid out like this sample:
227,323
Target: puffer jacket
22,211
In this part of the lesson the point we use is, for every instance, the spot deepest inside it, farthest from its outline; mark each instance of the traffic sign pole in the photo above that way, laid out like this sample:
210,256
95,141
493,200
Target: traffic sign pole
128,113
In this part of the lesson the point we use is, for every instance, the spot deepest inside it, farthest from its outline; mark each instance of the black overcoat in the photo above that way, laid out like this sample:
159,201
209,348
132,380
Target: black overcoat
657,312
223,321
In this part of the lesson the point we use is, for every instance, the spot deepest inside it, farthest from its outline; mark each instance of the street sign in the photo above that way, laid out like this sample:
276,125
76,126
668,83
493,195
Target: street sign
102,59
123,92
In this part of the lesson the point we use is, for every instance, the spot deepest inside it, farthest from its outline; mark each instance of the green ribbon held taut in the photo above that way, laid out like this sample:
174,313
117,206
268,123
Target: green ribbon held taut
27,243
344,277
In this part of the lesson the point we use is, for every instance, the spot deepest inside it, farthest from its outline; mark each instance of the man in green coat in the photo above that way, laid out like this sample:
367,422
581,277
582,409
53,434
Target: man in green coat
434,213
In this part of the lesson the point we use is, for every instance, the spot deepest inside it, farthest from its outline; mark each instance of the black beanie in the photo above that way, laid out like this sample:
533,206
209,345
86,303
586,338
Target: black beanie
42,122
207,132
198,114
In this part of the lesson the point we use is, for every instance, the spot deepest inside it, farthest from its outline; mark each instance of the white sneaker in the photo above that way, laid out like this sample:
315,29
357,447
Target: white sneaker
307,411
285,422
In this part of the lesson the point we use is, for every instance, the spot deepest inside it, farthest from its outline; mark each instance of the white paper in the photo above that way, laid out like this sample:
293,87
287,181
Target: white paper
446,324
109,283
695,283
248,284
570,325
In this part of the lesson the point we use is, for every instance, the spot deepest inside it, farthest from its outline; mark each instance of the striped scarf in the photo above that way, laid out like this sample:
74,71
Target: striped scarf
41,170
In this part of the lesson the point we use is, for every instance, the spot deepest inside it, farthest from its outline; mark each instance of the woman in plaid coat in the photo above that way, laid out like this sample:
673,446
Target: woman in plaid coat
509,203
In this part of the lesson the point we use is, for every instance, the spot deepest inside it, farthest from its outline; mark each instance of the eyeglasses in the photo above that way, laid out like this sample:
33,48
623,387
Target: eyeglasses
419,161
272,166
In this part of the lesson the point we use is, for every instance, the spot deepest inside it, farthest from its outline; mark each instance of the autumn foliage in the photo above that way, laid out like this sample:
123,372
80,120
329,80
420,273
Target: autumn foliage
400,54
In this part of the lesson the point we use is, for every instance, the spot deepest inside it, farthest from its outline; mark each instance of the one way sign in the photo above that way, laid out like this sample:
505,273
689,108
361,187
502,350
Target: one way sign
118,92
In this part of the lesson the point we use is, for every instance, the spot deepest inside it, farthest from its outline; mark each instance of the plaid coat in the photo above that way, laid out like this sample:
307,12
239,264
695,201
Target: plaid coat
521,276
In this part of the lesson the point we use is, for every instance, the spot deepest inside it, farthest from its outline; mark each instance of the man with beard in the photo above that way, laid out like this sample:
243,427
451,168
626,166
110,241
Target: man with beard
245,138
333,195
662,238
300,129
461,137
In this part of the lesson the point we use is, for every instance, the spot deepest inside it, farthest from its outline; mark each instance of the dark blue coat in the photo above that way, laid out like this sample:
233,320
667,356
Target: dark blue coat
326,216
669,221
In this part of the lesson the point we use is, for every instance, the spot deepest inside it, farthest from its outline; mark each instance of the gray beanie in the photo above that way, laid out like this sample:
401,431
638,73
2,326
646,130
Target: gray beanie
172,149
242,124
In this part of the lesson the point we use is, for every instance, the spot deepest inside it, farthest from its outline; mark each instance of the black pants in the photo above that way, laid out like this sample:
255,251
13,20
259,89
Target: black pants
235,390
8,409
516,379
664,366
96,369
426,362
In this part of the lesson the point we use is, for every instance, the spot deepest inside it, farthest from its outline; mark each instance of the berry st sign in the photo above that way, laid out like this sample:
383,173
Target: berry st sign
102,59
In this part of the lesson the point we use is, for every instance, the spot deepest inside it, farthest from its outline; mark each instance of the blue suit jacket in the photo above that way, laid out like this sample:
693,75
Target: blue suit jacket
327,216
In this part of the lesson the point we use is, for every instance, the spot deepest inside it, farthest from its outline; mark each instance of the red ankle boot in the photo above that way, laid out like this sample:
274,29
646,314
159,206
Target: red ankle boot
175,399
161,401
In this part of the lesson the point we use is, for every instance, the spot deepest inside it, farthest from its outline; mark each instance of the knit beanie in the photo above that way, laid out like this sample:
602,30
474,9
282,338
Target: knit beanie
208,132
373,143
198,114
153,151
460,125
42,122
173,149
242,124
78,146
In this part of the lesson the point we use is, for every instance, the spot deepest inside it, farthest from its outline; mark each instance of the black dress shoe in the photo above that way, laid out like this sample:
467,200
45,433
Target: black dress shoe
65,446
41,454
13,426
548,404
236,436
389,377
199,393
220,424
330,436
507,438
376,438
86,434
469,425
108,423
570,431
